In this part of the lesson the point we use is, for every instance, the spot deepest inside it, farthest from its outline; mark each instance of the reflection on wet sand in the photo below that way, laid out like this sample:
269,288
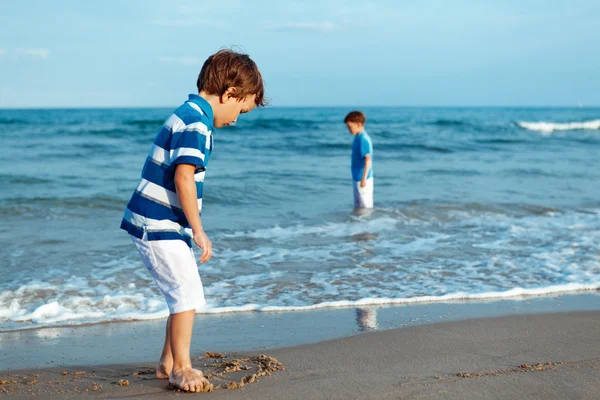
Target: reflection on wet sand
366,318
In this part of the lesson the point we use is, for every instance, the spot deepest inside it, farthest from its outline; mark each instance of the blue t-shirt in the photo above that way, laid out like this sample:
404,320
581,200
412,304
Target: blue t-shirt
361,146
185,138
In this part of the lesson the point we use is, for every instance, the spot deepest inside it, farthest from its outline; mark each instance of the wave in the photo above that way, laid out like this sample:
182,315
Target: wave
331,229
312,266
56,314
284,124
373,301
448,122
501,141
422,147
452,172
12,121
144,122
277,124
549,127
333,148
14,179
115,133
39,205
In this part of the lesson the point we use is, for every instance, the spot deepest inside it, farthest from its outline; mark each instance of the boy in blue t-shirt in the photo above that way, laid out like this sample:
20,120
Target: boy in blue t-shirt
163,215
362,160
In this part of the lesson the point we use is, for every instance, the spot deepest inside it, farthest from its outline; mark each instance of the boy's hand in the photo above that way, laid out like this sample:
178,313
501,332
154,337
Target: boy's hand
363,183
205,244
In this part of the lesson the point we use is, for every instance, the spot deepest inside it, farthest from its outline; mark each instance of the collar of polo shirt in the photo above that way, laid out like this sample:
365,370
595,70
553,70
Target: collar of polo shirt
204,105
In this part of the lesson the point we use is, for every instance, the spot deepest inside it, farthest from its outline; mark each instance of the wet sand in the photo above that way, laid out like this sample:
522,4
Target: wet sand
549,356
141,341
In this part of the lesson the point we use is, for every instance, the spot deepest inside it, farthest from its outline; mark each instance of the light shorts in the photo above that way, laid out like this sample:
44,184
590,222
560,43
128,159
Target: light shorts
363,197
174,269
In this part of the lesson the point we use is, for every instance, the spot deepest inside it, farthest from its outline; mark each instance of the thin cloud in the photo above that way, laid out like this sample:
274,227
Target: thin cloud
204,8
41,53
2,52
185,22
321,27
180,60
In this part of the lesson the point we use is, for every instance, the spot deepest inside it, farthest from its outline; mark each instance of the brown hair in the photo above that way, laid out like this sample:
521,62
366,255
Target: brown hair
355,116
228,68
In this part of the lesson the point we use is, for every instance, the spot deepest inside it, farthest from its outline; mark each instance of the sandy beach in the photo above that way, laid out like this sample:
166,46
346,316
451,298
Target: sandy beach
549,355
382,200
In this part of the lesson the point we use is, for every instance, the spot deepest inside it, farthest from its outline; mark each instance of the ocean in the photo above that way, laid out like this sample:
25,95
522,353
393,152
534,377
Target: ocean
470,203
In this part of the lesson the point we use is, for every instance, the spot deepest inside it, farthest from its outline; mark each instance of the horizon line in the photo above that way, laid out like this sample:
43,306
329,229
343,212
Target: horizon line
25,108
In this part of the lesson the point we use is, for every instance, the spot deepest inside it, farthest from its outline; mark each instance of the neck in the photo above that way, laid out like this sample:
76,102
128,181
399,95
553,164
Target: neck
212,99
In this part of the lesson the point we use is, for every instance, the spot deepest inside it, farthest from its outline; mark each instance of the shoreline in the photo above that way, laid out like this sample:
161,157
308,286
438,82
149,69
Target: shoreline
514,294
547,355
87,344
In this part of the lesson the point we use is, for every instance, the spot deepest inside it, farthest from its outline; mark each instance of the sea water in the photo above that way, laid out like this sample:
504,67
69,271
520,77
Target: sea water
470,203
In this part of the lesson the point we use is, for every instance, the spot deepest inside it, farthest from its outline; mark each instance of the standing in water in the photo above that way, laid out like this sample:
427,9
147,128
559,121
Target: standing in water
163,215
362,160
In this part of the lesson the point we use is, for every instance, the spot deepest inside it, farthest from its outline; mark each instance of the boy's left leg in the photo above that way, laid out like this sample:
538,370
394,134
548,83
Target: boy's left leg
165,364
368,194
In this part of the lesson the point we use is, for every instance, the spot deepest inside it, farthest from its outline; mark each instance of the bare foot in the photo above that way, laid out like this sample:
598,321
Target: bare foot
164,367
162,370
190,380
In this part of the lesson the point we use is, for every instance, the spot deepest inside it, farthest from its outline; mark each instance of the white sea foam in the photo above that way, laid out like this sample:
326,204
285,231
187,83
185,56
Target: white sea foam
549,127
55,314
330,229
371,301
465,256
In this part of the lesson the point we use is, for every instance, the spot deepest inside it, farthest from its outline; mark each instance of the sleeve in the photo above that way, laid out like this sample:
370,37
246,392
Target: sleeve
365,148
188,147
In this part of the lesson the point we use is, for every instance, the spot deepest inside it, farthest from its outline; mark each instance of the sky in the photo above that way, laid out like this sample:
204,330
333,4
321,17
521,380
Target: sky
311,53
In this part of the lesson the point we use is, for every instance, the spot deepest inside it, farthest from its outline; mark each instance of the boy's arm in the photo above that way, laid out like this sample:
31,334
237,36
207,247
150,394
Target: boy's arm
363,181
187,194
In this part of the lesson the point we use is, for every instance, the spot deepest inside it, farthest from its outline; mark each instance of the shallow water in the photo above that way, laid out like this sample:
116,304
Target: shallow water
470,203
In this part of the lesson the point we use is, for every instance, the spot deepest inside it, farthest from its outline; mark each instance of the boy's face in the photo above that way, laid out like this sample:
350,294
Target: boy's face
355,127
230,108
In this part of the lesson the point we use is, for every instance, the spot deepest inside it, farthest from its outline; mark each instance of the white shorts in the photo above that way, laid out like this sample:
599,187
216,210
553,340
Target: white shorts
363,197
174,269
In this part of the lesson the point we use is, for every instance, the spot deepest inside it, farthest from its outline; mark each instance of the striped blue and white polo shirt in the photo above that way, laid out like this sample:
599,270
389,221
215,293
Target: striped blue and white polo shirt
185,138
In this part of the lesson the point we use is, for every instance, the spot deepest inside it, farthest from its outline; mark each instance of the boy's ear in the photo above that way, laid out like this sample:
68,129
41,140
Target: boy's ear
230,92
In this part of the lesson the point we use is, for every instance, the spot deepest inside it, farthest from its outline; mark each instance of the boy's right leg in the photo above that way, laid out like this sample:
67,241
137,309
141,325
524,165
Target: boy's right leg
173,266
183,376
363,197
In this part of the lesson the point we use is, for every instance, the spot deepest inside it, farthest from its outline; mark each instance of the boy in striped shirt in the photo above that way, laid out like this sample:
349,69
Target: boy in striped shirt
163,215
